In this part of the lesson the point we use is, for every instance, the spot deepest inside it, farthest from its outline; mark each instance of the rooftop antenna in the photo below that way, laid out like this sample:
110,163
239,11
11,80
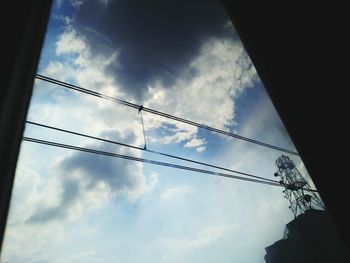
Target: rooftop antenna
297,190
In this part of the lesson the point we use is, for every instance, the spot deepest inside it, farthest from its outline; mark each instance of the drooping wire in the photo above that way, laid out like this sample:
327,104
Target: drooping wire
148,150
162,114
132,158
71,147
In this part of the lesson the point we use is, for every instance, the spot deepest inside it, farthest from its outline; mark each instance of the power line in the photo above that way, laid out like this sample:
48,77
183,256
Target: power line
86,91
162,114
132,158
148,150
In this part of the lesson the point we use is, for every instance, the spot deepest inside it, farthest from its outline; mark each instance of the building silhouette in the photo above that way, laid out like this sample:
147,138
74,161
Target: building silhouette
309,238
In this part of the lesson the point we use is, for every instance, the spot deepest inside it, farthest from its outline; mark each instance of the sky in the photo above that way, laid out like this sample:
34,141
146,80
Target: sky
180,57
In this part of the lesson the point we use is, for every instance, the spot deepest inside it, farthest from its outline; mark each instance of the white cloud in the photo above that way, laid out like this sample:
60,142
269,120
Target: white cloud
90,255
25,194
204,238
195,142
181,133
208,95
59,69
78,111
200,149
70,42
29,243
146,186
66,197
209,235
71,192
88,68
86,181
176,192
153,181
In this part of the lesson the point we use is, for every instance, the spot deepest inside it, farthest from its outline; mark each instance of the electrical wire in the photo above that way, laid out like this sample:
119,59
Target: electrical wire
132,158
162,114
148,150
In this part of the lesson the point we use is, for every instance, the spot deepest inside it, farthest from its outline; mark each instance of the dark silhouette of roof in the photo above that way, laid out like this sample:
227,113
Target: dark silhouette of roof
312,237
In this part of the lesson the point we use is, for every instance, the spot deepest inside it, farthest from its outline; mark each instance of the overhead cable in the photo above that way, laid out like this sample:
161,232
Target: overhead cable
148,150
162,114
132,158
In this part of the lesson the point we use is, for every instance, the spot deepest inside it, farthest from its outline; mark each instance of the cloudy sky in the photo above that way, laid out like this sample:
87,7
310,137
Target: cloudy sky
180,57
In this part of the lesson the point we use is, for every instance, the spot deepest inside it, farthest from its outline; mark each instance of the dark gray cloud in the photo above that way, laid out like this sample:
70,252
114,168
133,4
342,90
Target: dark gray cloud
117,174
156,39
69,195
